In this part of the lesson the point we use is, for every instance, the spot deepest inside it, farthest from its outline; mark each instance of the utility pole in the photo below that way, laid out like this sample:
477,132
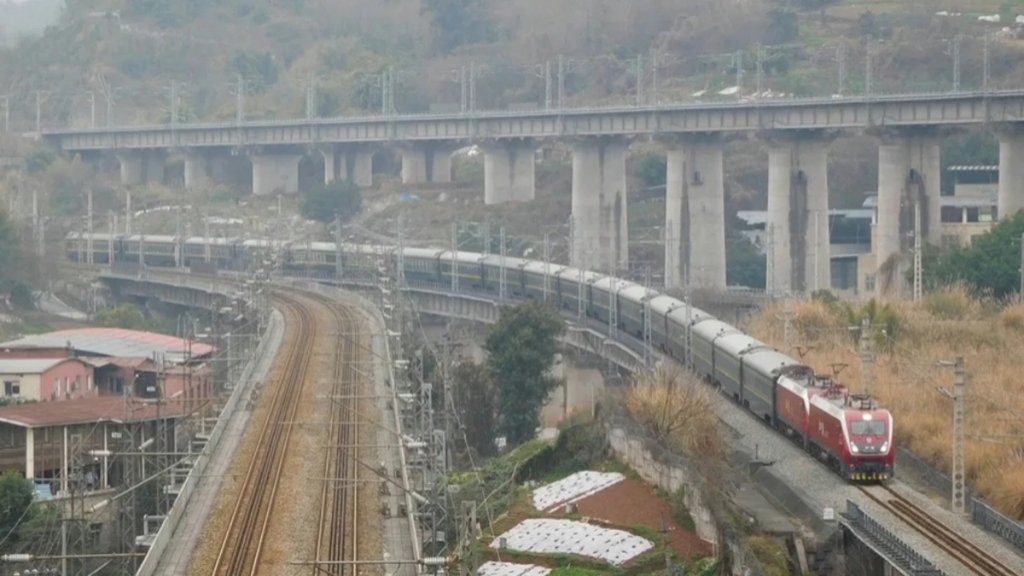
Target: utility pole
89,256
384,87
240,100
561,82
787,321
655,63
869,73
959,473
1022,265
738,60
503,278
472,86
917,252
486,234
956,62
648,340
455,256
464,87
817,250
547,85
639,70
985,64
867,356
688,297
841,57
769,273
128,215
547,264
174,103
92,108
7,113
760,71
39,111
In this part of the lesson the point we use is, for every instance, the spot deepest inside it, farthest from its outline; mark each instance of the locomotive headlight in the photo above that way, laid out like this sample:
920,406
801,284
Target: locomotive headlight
885,447
853,447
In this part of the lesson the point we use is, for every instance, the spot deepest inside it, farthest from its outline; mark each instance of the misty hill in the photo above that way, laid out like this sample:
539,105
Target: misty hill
27,17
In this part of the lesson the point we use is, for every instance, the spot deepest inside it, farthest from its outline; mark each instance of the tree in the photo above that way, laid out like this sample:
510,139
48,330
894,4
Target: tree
521,347
341,198
16,494
459,22
784,26
126,316
990,264
474,401
13,264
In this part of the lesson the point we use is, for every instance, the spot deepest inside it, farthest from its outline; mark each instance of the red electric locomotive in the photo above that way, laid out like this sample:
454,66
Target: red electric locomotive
850,432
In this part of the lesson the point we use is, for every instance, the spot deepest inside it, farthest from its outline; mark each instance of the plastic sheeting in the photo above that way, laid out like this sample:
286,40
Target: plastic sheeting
550,536
573,488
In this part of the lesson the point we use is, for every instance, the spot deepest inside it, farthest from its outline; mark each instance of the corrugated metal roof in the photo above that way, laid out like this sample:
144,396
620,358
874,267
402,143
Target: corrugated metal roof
755,217
951,201
112,342
86,410
973,168
29,365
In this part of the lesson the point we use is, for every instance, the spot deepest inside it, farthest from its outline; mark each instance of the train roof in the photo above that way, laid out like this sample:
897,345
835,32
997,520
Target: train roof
535,267
632,292
769,361
712,327
264,243
413,252
85,235
461,257
607,283
738,343
202,240
511,262
573,274
313,246
678,314
151,239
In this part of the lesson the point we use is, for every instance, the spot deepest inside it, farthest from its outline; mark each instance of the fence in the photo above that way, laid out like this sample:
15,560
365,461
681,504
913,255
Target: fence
245,380
895,550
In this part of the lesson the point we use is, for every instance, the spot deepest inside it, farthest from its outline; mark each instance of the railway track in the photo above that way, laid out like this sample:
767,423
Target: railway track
244,539
338,526
957,546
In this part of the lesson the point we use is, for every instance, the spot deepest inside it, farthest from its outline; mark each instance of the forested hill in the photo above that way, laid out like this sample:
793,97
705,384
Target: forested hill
133,50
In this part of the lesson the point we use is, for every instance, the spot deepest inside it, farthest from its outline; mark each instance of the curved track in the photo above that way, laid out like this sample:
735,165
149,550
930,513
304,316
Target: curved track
965,551
240,551
338,527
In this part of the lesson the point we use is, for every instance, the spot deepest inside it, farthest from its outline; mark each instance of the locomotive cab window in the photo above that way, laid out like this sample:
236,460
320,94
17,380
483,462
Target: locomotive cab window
868,428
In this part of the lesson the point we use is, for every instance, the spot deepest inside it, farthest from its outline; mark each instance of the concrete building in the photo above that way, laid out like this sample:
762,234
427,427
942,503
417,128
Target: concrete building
46,379
50,442
118,362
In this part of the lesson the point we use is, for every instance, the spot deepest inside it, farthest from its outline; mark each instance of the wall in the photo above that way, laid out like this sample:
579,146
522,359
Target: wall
35,353
75,381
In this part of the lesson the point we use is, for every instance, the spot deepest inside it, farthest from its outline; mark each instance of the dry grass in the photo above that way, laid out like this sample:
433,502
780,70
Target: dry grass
676,410
906,379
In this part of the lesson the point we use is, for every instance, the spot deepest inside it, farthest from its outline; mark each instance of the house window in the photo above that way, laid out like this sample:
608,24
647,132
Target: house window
869,283
972,214
12,388
951,214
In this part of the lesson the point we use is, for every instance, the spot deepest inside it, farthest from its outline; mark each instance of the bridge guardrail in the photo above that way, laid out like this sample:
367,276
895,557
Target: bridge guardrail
896,550
992,520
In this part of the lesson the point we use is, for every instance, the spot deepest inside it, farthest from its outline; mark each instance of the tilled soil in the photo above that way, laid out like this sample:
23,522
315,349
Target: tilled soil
632,502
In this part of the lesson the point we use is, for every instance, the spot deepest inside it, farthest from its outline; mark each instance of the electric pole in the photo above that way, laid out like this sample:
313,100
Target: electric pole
867,356
787,321
841,57
956,62
760,71
561,82
7,113
547,264
39,110
917,252
472,86
869,72
985,62
959,477
503,279
547,85
240,100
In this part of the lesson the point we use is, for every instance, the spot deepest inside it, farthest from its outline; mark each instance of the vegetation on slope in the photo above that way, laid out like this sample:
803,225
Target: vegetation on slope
948,323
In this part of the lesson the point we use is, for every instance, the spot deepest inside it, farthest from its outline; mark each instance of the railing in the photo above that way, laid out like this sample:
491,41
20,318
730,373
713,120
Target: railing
993,521
895,550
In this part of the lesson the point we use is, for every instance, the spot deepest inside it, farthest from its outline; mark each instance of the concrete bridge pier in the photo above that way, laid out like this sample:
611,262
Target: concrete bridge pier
330,155
141,166
509,171
601,230
1011,172
798,225
275,172
909,171
131,168
355,163
424,162
196,170
695,213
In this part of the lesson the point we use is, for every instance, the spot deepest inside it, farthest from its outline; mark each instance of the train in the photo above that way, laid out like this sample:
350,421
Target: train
851,433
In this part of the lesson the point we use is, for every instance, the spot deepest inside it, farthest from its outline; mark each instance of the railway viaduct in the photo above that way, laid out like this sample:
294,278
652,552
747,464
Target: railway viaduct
867,541
910,129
